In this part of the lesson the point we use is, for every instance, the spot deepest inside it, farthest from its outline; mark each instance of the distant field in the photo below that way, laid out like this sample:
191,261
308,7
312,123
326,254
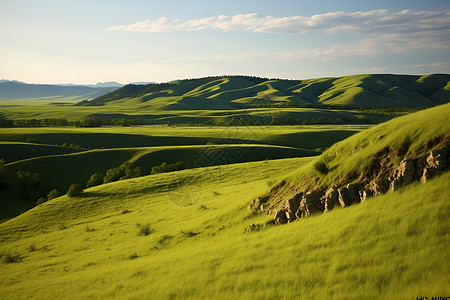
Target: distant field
304,137
22,110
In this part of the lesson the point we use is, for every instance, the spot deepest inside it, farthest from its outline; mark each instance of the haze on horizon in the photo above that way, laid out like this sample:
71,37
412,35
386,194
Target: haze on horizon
85,42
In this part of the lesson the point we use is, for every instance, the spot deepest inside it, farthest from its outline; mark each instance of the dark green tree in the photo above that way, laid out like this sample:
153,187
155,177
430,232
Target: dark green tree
55,193
75,190
96,179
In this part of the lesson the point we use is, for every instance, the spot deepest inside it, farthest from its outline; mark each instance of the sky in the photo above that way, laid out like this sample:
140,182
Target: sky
90,41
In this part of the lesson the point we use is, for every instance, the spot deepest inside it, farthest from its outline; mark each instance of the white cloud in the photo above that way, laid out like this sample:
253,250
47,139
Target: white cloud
368,22
433,65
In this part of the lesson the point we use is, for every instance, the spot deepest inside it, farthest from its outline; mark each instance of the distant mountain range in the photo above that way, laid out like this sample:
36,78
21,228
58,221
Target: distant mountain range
13,89
237,92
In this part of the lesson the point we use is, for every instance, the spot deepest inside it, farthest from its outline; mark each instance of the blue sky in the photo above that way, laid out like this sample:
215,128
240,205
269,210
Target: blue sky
126,41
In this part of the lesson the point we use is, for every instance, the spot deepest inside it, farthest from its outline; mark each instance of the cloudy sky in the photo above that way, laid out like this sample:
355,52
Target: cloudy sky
89,41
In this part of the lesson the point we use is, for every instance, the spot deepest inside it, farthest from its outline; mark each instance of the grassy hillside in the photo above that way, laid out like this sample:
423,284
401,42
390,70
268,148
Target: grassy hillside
353,159
96,247
408,133
375,90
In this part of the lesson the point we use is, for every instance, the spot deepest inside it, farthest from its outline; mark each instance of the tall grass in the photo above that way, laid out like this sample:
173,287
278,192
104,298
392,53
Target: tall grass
392,246
402,134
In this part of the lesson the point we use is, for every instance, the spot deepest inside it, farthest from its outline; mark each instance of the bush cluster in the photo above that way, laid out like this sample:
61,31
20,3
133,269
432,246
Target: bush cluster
75,190
51,195
124,171
165,167
46,122
321,167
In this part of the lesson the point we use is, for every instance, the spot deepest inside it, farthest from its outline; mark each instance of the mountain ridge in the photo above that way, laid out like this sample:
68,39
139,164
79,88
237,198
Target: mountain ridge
11,90
235,92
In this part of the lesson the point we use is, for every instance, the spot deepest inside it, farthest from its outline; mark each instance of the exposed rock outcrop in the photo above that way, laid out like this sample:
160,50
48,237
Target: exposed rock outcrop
404,174
310,203
330,199
436,163
350,194
258,203
385,176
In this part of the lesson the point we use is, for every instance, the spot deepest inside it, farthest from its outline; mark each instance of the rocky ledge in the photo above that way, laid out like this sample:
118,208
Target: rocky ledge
384,175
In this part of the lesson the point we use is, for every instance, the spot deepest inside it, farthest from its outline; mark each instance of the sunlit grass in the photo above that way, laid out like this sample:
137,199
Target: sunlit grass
390,246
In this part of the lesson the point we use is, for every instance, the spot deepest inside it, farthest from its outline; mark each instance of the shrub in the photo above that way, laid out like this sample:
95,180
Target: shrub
75,190
321,167
53,194
41,200
144,229
32,248
165,167
164,239
253,227
124,171
12,258
96,179
189,233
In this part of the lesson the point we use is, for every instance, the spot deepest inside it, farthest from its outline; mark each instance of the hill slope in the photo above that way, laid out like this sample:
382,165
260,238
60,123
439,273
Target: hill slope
385,157
90,246
235,92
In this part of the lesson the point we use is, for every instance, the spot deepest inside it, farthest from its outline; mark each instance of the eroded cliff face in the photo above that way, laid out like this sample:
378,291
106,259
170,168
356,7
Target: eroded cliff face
384,174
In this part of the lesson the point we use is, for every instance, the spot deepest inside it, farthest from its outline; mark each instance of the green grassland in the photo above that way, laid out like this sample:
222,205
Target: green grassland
303,137
87,151
27,110
91,246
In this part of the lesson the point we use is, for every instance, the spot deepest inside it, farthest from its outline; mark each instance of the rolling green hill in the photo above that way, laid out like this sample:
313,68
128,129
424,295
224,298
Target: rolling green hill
98,246
370,162
237,92
63,156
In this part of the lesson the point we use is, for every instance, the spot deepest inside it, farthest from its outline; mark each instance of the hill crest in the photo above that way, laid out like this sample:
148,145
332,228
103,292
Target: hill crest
236,92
